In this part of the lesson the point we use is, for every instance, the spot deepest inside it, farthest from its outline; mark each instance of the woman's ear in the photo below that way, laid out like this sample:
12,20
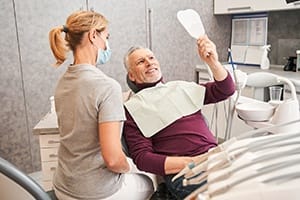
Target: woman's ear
92,35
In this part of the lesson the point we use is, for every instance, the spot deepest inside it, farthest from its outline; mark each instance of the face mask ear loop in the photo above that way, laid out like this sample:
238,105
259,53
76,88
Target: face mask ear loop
105,42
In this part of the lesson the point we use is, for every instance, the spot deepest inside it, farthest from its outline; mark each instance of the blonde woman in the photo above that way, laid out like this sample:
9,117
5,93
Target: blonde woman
89,108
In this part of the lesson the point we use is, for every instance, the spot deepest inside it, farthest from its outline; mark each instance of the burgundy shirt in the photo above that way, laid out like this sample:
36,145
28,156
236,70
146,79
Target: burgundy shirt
187,136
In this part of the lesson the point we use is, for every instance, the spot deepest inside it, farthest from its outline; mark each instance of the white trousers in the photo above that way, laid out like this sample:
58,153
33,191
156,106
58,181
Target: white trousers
134,187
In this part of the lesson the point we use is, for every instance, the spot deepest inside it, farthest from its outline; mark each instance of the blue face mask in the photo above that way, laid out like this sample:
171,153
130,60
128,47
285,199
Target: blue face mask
103,55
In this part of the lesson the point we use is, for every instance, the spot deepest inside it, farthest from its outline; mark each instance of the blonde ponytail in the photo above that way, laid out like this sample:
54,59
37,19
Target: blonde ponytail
76,25
58,45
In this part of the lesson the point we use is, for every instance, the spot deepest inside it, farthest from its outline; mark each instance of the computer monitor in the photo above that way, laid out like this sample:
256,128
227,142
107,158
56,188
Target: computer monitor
290,1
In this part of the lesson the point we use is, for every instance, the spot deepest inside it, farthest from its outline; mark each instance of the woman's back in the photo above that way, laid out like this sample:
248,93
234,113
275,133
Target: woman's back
84,97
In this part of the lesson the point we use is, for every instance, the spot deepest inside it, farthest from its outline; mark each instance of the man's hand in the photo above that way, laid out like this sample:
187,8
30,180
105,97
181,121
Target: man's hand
207,50
208,53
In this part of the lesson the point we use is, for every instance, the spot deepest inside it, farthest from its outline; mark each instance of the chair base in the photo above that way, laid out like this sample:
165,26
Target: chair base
52,195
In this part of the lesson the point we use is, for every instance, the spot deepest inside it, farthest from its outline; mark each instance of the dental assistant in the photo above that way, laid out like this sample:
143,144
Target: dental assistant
165,129
89,108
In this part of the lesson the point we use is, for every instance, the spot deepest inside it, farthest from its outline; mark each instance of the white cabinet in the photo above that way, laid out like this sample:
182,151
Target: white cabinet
48,147
233,6
47,130
248,6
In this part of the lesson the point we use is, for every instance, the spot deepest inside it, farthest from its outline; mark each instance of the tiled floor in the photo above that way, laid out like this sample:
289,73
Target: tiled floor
37,176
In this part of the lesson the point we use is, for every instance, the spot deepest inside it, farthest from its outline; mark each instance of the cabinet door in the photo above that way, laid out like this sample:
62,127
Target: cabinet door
247,6
34,19
13,132
233,6
127,27
272,5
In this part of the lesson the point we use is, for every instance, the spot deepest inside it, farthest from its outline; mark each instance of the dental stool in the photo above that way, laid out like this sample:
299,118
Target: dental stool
52,195
14,184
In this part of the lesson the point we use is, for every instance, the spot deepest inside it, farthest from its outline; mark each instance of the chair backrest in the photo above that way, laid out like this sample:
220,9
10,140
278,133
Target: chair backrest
14,184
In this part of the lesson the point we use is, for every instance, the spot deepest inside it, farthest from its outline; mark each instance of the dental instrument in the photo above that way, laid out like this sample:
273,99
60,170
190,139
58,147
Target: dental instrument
228,159
264,164
272,152
221,147
229,153
260,171
279,179
284,158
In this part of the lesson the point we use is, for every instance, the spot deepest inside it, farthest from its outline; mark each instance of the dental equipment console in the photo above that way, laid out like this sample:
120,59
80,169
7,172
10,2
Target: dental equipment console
268,161
255,157
284,110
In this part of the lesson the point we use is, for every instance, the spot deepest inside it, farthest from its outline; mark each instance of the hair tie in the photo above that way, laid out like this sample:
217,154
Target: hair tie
65,29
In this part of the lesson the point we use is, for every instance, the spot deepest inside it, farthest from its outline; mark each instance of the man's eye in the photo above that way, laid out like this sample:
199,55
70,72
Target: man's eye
140,62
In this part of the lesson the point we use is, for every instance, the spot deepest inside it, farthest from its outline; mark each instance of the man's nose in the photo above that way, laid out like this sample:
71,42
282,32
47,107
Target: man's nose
148,61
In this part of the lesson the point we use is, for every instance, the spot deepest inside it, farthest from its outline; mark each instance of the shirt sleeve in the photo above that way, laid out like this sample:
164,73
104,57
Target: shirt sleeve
219,90
141,150
111,105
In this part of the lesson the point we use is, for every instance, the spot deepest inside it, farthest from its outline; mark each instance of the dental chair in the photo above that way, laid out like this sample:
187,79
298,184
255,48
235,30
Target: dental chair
16,185
161,192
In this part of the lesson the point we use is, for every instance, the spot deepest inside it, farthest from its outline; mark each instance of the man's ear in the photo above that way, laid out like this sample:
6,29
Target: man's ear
131,84
130,77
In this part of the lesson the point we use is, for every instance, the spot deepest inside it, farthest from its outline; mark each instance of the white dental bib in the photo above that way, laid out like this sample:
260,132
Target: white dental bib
157,107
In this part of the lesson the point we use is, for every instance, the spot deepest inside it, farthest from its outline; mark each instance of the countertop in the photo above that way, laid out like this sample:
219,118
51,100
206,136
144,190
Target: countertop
275,69
47,125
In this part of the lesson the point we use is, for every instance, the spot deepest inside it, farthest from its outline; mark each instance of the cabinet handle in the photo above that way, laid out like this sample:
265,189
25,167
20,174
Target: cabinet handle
53,142
52,156
239,8
204,79
52,168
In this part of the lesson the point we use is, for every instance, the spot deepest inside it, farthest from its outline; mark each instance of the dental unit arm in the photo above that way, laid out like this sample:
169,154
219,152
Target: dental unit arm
285,111
265,79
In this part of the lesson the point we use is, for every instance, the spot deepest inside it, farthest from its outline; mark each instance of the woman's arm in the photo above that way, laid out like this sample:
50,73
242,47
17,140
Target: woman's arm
111,148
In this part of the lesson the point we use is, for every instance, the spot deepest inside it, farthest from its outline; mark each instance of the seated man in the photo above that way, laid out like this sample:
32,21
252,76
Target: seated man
165,129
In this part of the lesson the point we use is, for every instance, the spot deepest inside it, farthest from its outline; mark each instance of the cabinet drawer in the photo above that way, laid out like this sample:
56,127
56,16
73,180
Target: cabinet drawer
47,185
49,154
49,140
48,169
